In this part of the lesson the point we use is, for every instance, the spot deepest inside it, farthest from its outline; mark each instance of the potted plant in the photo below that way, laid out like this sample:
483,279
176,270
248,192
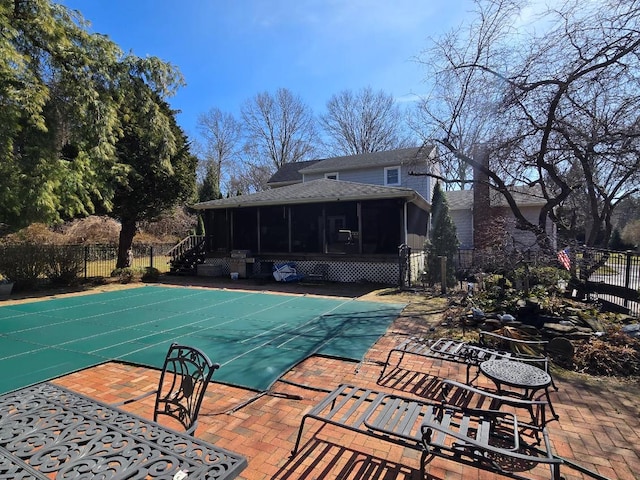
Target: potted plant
6,286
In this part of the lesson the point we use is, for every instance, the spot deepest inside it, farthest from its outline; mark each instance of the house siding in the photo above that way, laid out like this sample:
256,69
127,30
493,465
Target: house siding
525,239
464,227
461,213
375,176
416,227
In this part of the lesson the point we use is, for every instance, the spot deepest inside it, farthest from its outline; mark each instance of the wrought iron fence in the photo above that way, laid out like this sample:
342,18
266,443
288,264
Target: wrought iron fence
610,277
100,260
464,259
41,264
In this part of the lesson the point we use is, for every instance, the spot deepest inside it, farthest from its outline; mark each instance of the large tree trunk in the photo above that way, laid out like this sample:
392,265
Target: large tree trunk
127,233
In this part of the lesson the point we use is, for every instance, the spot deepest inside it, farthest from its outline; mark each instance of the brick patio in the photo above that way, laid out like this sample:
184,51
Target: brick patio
599,426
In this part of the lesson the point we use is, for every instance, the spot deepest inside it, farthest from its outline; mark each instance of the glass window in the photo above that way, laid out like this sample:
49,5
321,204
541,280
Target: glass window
331,176
392,176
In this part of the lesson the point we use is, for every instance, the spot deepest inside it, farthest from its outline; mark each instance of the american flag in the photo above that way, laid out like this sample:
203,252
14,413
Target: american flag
563,257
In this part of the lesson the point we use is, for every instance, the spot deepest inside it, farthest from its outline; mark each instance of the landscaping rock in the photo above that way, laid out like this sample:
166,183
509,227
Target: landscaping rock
594,324
560,329
580,336
633,330
506,319
491,324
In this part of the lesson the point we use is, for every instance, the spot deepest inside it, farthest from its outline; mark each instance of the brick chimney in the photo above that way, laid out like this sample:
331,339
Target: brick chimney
481,199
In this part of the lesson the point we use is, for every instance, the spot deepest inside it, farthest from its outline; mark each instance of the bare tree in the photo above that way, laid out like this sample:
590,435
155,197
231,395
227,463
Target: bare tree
280,129
363,122
222,134
561,90
445,112
249,178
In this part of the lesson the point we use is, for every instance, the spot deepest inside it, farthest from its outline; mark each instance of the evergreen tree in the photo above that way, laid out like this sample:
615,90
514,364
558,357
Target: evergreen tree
62,94
161,172
200,230
443,240
208,189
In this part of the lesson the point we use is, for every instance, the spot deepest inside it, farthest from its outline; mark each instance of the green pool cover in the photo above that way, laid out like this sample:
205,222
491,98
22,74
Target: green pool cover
256,337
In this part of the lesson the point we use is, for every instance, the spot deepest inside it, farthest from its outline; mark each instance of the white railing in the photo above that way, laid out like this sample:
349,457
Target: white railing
185,245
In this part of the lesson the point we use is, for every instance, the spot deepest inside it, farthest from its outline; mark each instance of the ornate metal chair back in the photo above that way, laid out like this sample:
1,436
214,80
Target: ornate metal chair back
183,382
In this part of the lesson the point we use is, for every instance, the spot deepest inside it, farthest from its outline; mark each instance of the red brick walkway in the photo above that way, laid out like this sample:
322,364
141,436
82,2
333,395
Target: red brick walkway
599,425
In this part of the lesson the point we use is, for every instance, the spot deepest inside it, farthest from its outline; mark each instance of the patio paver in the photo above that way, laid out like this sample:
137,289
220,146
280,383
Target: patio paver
599,425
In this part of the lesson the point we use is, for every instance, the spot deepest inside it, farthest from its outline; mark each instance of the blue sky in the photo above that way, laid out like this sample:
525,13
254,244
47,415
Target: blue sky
228,51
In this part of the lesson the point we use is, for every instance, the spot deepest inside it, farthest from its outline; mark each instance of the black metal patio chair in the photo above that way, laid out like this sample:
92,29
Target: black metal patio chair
185,375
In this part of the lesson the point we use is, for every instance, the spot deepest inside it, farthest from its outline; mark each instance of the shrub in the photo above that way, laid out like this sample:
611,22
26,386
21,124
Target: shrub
64,263
129,274
495,281
545,276
124,275
170,227
92,230
24,264
151,274
442,242
34,234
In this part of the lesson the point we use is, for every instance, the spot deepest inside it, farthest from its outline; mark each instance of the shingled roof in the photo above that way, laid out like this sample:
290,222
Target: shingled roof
317,191
403,156
524,197
289,173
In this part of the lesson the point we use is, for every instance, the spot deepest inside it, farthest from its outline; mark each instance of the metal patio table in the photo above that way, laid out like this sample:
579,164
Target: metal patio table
47,431
519,375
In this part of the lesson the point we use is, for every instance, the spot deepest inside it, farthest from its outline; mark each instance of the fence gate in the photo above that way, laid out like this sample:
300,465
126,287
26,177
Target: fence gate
616,280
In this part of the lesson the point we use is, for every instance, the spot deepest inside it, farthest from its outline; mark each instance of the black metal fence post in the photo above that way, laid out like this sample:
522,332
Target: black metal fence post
86,262
151,257
627,275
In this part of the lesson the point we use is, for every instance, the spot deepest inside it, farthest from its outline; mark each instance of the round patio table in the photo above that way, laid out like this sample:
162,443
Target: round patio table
515,374
519,375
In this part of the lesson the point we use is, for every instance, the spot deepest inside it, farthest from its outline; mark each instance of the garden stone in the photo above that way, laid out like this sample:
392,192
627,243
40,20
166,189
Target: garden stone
586,330
506,318
573,311
633,330
580,335
560,329
594,324
491,324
